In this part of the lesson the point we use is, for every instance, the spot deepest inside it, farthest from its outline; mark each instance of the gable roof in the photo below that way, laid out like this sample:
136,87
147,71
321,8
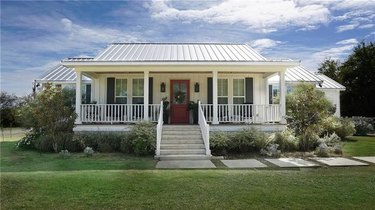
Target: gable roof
163,52
328,83
61,74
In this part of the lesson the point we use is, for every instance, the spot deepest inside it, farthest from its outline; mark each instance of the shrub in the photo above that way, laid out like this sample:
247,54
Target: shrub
143,138
100,141
88,151
28,142
64,154
43,143
271,151
220,143
286,140
306,110
249,140
341,126
363,125
329,144
322,150
126,145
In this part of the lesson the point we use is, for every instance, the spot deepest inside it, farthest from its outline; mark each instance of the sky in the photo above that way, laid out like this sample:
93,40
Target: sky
37,35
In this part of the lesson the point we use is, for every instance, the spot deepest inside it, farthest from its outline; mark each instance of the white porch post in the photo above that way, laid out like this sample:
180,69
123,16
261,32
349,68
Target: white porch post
145,95
282,96
215,119
78,97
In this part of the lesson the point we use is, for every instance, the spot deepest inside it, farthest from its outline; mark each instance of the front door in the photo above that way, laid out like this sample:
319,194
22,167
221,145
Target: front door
179,101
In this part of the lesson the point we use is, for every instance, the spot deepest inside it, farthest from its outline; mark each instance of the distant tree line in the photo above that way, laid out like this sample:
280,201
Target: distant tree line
357,74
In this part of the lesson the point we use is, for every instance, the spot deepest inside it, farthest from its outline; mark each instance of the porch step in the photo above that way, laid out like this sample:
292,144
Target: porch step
181,146
181,136
179,132
180,127
183,157
182,141
182,151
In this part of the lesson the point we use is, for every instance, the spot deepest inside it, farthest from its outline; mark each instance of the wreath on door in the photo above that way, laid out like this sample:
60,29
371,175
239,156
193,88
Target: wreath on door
179,97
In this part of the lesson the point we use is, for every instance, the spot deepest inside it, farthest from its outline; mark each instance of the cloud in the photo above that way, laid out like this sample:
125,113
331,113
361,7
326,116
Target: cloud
348,42
366,26
258,16
262,44
347,27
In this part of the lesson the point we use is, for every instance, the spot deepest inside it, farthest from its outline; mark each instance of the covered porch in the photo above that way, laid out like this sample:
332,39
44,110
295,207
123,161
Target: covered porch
234,95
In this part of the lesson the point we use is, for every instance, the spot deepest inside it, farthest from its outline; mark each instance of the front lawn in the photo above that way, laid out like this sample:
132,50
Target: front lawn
334,188
16,160
359,146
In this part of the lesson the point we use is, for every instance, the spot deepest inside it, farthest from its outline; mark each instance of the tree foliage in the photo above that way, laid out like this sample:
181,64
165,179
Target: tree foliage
50,114
358,76
8,106
306,110
330,68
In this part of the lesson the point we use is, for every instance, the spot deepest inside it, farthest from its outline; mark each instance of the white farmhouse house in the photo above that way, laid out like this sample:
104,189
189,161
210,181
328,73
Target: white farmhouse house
232,84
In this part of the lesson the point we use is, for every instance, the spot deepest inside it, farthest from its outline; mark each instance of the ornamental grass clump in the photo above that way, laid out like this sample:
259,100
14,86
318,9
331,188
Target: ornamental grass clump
88,151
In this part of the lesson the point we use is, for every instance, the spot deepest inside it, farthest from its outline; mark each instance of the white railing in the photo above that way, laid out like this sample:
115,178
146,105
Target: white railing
205,129
159,129
243,113
117,113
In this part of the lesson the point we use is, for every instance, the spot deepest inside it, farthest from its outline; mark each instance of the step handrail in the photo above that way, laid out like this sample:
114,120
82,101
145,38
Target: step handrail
159,129
205,129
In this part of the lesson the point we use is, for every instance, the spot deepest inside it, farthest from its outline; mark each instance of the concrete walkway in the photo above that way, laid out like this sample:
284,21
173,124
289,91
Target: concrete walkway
262,163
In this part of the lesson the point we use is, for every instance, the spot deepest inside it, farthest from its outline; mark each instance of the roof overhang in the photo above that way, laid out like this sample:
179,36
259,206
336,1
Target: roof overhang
73,64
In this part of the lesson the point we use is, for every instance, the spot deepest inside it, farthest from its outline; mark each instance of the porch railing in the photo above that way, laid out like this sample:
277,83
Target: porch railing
205,129
159,129
117,113
243,113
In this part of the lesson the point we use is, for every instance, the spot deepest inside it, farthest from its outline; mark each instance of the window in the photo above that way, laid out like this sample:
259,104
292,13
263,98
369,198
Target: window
121,92
137,91
238,91
222,92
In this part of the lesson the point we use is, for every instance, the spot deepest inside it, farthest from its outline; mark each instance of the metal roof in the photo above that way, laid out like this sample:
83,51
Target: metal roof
79,59
181,52
59,73
328,83
297,74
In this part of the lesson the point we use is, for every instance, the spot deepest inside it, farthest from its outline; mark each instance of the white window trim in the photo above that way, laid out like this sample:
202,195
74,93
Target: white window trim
228,89
244,87
132,96
127,89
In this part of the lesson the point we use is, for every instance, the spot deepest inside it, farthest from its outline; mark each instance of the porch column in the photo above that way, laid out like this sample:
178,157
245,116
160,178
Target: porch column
78,97
215,119
282,96
145,95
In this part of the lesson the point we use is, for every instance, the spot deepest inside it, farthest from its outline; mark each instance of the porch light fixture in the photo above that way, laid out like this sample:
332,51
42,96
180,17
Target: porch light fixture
196,87
162,87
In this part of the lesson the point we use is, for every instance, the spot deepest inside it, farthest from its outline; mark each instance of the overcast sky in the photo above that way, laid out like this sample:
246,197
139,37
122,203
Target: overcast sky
36,35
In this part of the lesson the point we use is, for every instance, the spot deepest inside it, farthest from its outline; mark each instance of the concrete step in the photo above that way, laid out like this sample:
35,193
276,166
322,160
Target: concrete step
182,151
179,132
181,146
181,141
181,127
183,157
181,136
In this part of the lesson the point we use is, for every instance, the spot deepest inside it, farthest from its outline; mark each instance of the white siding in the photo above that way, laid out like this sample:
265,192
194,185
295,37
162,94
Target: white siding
333,95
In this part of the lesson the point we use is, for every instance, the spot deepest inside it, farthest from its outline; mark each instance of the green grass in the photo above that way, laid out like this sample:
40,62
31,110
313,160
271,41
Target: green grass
16,160
30,180
340,188
359,146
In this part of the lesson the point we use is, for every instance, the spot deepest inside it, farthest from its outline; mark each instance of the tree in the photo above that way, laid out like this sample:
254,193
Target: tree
357,74
8,106
50,114
307,108
330,68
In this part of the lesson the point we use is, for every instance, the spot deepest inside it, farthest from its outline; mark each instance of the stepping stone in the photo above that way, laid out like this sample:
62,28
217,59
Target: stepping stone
292,162
245,163
185,164
339,161
367,159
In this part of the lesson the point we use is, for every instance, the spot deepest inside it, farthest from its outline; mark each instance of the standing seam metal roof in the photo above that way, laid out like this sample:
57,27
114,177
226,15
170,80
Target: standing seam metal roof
60,73
329,83
151,52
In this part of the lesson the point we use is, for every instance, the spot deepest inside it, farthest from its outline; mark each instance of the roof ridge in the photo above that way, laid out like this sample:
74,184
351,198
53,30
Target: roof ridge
215,43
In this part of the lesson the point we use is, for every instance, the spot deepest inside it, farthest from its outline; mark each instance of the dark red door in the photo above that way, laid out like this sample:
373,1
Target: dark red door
179,101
